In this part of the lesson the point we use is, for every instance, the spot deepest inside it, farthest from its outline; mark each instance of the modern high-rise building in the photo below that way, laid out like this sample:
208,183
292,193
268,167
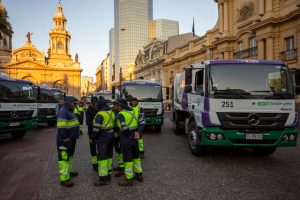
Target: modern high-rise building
131,32
161,29
112,57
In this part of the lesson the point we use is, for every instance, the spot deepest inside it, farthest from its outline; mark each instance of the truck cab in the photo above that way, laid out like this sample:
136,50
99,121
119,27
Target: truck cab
47,103
18,106
236,103
149,95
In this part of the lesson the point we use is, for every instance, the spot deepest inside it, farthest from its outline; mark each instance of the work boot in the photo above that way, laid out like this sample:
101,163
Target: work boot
138,177
142,156
125,183
95,167
67,183
73,174
120,173
101,181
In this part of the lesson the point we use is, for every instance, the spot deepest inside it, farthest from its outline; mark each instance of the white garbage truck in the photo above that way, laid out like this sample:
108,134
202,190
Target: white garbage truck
235,103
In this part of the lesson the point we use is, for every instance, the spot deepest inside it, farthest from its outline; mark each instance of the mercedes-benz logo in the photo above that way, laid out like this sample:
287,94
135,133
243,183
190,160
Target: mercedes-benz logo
49,110
253,119
13,114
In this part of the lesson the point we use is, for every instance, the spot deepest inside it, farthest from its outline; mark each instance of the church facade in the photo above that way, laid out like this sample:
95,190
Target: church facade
57,69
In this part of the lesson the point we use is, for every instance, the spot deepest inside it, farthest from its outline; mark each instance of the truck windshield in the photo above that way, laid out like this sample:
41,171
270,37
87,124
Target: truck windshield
17,92
143,92
105,96
249,80
49,96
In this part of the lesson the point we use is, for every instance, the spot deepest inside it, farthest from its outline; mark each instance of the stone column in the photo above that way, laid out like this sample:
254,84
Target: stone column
221,22
261,50
226,55
270,49
269,5
226,17
261,6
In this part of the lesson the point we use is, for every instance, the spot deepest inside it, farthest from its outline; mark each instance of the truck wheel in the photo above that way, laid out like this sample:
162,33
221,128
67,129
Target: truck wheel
157,128
194,140
176,125
51,124
18,134
263,151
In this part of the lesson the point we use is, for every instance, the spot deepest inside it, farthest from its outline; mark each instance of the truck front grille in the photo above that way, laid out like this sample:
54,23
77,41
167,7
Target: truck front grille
150,112
47,111
13,116
261,121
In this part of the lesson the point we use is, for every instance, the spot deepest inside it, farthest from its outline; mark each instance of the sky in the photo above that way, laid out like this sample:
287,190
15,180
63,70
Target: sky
89,22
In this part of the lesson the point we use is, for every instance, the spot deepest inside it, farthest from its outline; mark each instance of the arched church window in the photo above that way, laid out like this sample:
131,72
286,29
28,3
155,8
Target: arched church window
59,45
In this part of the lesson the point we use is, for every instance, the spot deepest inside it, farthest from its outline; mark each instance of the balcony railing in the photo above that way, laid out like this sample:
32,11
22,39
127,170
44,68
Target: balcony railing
289,55
247,53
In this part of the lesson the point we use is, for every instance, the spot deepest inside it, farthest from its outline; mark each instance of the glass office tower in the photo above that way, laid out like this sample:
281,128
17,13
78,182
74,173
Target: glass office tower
131,31
161,29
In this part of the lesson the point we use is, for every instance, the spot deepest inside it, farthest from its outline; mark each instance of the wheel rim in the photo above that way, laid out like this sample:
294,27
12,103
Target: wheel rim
193,138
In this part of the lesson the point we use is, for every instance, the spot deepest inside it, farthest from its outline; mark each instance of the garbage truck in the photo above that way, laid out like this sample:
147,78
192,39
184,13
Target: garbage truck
235,103
47,102
18,106
149,95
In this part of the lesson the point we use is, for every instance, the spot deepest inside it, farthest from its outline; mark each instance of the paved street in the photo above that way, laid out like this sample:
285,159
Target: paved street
170,171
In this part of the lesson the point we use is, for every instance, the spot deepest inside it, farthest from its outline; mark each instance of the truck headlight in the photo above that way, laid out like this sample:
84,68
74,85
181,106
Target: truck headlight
292,138
285,138
212,136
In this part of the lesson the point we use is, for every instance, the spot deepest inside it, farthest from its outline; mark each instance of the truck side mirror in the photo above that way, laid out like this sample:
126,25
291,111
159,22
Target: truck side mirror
188,76
187,89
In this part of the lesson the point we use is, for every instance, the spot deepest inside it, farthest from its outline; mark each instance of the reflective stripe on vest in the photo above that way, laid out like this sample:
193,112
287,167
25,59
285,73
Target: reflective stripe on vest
62,123
130,119
108,120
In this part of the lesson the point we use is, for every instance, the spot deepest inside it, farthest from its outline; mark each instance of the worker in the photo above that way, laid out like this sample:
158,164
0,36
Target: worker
103,135
140,116
67,133
78,111
120,162
129,143
90,114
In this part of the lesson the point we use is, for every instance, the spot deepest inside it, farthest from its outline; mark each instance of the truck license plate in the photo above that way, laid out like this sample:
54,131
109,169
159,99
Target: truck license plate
14,124
252,136
49,116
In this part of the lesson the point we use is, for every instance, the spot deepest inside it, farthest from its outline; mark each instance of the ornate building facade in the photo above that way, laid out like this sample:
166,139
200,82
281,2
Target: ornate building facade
5,37
58,69
248,29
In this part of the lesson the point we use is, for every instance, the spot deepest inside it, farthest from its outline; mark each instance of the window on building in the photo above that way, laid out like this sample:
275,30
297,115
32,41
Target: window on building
240,48
4,42
252,47
289,43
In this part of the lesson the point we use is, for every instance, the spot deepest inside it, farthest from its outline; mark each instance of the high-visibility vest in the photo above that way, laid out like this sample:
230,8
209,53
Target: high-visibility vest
130,120
108,120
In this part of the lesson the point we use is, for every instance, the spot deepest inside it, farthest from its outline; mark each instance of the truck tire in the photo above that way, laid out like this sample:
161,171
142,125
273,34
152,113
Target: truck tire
176,125
18,134
263,151
157,128
51,124
194,140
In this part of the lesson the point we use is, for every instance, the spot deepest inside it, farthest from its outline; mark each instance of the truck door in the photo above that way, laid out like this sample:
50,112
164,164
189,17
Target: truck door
197,97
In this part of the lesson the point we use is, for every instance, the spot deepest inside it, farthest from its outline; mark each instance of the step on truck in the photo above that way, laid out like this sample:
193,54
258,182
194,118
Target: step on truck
18,106
150,98
235,103
47,102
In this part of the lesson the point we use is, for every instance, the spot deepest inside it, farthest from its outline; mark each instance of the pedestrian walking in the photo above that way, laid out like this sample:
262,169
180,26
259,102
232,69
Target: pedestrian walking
67,133
90,114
